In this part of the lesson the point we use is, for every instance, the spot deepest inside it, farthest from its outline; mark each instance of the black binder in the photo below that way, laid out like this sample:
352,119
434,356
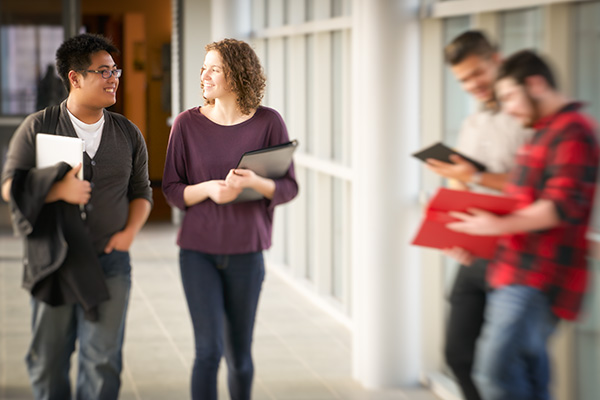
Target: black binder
271,162
441,152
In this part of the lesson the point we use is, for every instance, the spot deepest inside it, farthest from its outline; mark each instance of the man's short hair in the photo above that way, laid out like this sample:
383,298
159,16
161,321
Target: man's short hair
76,54
524,64
468,44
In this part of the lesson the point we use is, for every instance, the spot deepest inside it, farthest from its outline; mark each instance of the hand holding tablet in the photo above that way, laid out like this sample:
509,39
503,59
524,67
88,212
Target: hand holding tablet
441,152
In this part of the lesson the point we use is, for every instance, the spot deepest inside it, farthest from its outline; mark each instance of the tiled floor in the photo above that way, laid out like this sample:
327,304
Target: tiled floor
300,352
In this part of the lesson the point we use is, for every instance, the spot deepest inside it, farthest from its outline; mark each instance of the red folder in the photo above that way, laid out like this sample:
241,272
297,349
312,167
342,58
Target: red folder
433,231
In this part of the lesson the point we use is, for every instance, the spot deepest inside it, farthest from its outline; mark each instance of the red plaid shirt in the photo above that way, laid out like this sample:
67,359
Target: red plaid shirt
559,164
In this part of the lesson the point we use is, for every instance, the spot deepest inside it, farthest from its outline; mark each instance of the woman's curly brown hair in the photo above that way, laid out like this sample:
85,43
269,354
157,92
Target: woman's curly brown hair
243,72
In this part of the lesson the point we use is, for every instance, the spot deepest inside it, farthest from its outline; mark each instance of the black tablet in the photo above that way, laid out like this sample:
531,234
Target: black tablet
441,152
270,162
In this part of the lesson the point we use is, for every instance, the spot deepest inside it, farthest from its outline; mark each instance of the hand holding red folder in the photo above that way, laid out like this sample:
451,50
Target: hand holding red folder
434,231
475,222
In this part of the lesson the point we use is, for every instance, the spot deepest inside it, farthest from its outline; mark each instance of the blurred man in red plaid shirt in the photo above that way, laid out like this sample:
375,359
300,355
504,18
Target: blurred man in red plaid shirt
539,273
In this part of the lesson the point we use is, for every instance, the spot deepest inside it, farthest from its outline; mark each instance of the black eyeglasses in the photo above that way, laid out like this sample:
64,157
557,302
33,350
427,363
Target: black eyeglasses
106,73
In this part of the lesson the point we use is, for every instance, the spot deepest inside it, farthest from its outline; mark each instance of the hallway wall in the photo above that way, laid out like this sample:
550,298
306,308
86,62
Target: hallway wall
147,34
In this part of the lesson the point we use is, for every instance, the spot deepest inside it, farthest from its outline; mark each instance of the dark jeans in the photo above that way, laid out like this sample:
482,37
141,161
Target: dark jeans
222,293
467,306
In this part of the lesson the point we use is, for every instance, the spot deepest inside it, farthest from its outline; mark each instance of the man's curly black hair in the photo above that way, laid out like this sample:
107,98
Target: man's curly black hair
75,54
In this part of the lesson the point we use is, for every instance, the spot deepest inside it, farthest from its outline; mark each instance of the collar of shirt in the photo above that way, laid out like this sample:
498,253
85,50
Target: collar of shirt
545,121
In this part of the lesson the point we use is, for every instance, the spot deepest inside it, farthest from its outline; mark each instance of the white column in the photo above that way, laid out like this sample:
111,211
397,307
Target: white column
231,19
196,33
192,27
386,110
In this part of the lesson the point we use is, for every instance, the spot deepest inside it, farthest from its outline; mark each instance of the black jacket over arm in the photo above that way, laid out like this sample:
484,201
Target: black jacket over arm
60,263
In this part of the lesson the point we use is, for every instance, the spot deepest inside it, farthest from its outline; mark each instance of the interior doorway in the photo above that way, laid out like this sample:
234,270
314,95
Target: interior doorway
141,29
30,33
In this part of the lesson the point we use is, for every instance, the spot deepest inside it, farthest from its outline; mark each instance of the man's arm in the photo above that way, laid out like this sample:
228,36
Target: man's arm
139,210
70,189
464,172
6,190
540,215
457,185
492,180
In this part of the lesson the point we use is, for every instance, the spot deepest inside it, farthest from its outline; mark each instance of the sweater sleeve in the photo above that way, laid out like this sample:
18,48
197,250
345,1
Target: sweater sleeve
175,177
139,182
286,188
21,148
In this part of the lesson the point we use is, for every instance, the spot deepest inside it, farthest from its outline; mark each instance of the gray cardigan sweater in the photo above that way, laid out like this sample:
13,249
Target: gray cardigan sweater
118,172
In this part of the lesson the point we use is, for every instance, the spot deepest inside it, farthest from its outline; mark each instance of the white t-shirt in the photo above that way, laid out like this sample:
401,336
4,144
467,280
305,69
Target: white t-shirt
90,133
493,139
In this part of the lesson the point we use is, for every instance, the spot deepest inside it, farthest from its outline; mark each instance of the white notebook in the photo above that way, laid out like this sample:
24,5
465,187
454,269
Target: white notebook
51,149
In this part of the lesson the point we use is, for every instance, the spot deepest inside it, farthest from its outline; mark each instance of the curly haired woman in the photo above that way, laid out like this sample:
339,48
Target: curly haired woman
220,242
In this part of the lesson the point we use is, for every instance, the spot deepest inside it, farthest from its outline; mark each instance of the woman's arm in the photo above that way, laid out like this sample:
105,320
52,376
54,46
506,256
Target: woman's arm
216,190
245,178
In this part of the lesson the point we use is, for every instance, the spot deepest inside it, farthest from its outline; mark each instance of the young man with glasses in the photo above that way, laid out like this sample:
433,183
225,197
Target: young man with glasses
117,200
492,138
539,273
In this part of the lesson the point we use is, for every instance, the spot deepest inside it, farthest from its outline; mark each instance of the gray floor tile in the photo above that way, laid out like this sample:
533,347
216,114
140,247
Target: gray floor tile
300,352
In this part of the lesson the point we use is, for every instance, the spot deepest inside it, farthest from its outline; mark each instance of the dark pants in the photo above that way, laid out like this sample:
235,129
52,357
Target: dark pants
222,293
467,306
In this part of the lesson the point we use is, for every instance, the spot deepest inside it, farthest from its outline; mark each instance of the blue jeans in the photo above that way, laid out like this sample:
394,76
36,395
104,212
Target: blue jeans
222,293
511,360
56,329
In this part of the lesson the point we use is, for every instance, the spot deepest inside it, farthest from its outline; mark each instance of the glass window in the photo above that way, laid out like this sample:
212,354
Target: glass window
28,42
587,56
337,8
457,106
275,13
341,8
457,103
318,9
521,29
314,106
587,59
587,340
285,237
337,97
587,89
310,74
310,10
311,223
340,238
295,11
259,14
